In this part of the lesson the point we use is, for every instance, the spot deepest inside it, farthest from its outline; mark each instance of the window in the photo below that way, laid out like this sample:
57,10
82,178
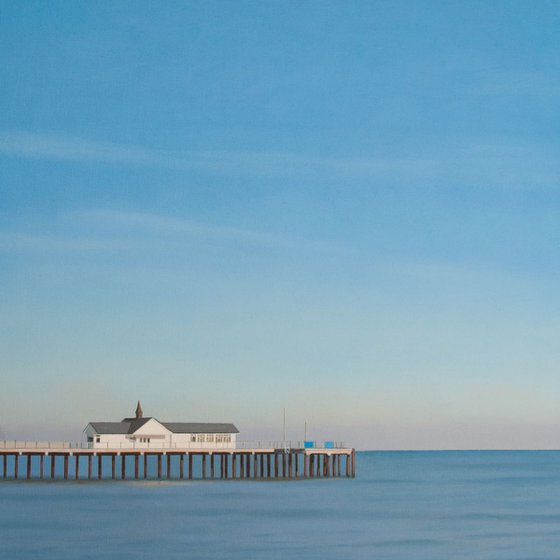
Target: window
193,437
97,439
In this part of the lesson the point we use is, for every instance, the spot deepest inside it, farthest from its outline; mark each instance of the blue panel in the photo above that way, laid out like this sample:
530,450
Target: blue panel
308,445
329,444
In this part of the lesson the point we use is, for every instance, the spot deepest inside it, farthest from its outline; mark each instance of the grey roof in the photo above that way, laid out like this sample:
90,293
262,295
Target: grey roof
200,428
110,427
130,425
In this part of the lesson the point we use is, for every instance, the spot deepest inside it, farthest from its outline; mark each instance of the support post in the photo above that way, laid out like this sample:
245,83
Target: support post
53,465
353,463
290,464
190,466
168,466
297,462
261,463
77,467
204,465
212,466
136,469
182,466
16,461
145,472
66,466
227,465
347,465
99,467
276,469
123,466
5,461
242,466
305,464
113,466
234,465
283,464
268,460
28,467
159,466
89,459
41,466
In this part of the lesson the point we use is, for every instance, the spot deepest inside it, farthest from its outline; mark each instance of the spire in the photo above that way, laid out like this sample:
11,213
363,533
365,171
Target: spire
139,411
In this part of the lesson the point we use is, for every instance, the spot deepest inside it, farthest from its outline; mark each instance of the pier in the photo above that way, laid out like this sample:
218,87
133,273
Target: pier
65,461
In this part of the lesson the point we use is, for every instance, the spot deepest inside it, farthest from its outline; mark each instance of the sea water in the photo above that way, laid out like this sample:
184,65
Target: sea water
402,505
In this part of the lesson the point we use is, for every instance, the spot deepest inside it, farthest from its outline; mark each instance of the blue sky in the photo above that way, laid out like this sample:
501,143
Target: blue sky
348,209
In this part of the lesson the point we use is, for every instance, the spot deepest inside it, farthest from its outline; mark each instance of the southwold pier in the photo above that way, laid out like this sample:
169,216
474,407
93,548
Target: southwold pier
145,448
64,461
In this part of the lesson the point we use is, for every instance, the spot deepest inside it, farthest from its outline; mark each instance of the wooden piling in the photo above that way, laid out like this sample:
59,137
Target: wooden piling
123,466
53,464
89,467
168,466
182,466
190,466
41,465
16,461
113,466
77,467
204,465
212,466
159,466
99,467
28,474
145,470
136,469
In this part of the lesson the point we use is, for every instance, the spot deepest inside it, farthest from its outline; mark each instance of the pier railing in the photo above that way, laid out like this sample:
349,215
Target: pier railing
239,445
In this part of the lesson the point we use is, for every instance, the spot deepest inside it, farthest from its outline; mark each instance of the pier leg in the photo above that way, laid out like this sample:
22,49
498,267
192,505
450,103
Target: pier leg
168,467
159,466
53,465
353,463
276,469
227,465
41,466
123,466
268,465
182,466
261,459
255,465
283,464
77,467
136,469
28,474
113,466
333,465
5,461
241,466
222,455
190,466
233,465
305,464
204,465
145,473
66,467
297,463
212,466
16,461
290,465
100,467
248,465
89,460
347,464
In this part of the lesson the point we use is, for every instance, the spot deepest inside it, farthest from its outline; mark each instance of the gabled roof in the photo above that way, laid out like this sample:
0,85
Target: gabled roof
200,428
131,425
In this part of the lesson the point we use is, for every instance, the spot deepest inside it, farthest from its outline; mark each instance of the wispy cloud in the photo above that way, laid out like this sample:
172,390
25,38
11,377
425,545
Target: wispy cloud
98,231
476,165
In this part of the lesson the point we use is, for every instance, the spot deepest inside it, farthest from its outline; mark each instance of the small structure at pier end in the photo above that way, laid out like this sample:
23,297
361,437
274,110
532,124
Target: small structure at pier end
149,433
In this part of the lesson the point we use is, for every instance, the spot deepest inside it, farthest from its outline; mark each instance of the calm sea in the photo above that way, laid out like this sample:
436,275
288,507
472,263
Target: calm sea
402,505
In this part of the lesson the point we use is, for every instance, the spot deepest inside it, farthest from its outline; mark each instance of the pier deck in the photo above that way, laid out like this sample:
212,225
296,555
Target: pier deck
61,461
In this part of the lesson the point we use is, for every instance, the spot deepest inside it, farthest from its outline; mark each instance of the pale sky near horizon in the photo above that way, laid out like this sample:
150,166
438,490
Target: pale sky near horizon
348,209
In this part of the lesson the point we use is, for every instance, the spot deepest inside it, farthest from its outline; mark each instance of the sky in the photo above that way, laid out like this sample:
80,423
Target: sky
350,210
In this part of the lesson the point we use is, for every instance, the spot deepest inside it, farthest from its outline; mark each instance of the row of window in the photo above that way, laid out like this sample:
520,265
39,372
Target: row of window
211,438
